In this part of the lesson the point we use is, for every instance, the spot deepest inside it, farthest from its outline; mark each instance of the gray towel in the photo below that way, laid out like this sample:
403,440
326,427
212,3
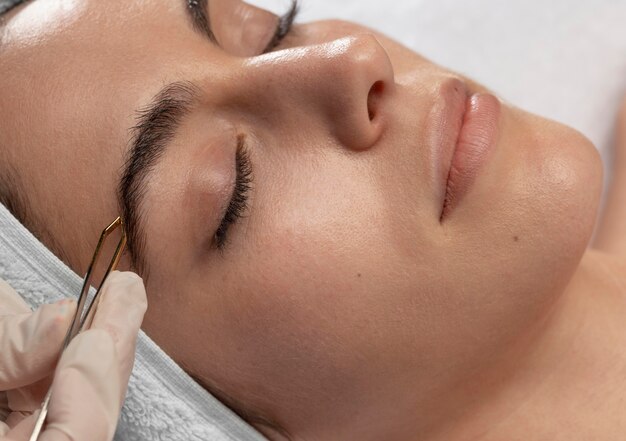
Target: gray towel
163,402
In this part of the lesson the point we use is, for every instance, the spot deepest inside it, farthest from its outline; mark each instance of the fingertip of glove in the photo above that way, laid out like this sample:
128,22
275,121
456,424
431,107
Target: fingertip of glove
123,304
125,276
128,285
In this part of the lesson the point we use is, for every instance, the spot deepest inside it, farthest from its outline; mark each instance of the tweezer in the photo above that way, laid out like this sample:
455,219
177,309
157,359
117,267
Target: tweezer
84,313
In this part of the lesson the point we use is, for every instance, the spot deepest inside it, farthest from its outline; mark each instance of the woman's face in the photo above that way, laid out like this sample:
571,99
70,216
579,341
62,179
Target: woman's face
340,282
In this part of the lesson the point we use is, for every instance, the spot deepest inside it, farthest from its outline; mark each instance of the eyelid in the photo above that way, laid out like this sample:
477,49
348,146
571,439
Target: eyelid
284,26
238,203
245,30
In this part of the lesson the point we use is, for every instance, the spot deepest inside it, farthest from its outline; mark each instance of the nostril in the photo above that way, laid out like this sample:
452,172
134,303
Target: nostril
373,98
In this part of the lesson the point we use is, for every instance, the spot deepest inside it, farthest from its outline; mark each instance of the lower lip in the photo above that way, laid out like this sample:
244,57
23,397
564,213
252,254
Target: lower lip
477,138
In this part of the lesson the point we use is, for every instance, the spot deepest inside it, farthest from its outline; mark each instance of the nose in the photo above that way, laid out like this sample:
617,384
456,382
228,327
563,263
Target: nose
341,86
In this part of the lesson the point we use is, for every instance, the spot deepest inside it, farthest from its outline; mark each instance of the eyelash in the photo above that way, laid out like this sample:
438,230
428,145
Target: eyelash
239,199
284,26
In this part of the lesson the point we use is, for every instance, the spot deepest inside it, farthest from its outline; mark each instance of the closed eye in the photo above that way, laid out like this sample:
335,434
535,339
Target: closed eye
239,198
284,26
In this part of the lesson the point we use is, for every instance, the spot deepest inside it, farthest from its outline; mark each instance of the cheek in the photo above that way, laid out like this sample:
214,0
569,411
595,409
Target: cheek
312,281
324,289
538,196
556,184
521,237
320,293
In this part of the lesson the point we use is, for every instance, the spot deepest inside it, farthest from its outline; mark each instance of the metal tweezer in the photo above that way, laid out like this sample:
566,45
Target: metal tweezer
84,313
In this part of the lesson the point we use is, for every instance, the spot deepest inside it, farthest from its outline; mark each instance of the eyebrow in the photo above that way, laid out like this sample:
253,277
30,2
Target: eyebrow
156,126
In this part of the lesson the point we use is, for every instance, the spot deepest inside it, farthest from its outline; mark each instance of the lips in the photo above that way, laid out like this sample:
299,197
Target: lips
465,127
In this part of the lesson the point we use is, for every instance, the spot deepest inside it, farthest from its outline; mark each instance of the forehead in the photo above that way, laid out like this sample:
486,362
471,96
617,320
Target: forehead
113,34
74,72
72,63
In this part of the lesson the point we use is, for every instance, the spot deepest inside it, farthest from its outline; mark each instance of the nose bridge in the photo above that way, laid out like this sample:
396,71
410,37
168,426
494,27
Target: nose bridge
341,83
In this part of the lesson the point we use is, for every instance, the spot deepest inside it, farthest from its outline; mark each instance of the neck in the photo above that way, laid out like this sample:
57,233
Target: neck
570,384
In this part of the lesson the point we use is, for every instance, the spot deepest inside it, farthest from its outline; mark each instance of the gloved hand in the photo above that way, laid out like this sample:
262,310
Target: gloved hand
90,379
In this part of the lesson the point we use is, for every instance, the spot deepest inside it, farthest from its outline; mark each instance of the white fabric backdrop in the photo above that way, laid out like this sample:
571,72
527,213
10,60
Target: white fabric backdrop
564,59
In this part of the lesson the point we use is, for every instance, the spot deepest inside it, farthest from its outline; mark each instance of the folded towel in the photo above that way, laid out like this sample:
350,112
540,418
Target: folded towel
163,402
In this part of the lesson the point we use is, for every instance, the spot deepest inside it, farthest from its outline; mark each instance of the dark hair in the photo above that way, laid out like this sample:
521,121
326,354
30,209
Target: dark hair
11,196
15,199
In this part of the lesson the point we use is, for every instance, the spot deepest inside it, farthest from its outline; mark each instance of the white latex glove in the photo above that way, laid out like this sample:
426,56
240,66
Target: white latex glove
92,375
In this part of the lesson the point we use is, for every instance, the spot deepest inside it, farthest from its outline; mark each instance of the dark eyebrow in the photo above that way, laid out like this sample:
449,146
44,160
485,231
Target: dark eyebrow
156,126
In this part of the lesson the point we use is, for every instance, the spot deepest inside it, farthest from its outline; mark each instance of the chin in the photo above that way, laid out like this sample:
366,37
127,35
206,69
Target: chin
538,202
565,176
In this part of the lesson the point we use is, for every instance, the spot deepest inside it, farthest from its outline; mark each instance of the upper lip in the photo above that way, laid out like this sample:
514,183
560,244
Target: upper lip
445,122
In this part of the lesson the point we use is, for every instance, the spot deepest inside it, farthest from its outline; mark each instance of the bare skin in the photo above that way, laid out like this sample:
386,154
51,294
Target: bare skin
586,378
611,236
343,307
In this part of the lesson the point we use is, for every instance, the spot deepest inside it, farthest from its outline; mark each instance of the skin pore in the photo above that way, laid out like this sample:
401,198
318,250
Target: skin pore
341,306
